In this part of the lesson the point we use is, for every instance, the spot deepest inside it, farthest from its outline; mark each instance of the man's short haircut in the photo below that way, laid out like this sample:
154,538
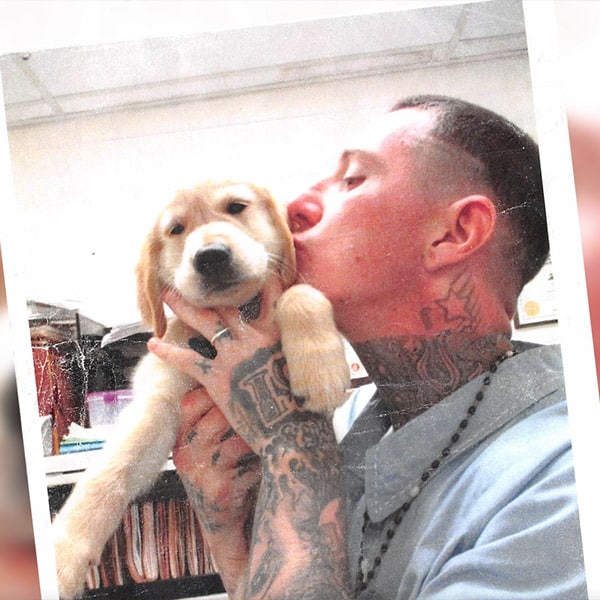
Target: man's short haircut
511,169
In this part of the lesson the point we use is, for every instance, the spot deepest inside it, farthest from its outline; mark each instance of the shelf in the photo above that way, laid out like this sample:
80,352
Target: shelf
171,527
64,469
168,487
204,587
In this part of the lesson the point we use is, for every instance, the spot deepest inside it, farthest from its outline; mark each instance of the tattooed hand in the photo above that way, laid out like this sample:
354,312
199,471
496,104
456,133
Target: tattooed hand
244,372
221,475
297,546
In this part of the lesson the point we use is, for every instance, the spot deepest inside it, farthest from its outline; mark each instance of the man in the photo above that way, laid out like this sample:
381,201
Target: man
457,479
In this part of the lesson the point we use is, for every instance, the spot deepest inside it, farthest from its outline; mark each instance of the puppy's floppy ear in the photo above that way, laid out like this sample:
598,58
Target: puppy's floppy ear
288,254
149,289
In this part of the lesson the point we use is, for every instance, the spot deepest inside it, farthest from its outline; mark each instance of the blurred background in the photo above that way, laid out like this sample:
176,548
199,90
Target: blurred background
18,572
579,52
579,49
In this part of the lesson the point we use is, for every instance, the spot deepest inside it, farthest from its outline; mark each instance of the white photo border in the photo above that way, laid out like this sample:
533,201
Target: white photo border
567,267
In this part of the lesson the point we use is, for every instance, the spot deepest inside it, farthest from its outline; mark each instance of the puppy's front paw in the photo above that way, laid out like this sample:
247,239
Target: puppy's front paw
73,560
313,347
319,373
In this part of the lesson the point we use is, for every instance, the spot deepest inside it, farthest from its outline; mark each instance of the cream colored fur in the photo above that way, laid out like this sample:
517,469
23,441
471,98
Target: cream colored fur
262,248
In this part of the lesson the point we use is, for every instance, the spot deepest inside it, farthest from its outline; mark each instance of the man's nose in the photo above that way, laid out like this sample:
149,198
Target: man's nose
305,211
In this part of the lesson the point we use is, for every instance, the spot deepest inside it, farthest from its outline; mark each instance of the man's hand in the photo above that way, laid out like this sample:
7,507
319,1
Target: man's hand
298,543
221,475
244,371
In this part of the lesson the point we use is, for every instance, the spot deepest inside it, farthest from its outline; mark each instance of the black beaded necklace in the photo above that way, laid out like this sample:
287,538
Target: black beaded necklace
363,579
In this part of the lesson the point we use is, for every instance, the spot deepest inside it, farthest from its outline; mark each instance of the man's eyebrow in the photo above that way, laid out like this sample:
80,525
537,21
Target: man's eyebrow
363,155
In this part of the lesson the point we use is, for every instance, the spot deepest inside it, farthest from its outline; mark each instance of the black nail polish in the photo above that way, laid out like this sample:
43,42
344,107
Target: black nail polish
203,347
251,310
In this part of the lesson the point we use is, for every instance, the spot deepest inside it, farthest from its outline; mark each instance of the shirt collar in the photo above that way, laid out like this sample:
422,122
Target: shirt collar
389,471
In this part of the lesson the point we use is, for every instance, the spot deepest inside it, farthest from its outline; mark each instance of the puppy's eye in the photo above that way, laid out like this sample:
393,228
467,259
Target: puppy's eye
235,208
177,229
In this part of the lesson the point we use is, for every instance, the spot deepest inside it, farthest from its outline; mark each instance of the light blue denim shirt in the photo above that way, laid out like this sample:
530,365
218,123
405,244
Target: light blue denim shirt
498,519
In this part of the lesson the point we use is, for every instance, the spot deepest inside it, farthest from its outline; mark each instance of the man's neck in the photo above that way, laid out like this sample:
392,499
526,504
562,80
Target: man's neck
414,373
451,339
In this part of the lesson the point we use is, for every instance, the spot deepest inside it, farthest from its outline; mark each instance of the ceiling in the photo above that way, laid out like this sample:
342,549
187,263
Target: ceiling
62,83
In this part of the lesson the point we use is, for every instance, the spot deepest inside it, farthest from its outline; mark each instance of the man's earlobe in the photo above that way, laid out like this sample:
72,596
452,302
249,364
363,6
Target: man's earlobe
467,226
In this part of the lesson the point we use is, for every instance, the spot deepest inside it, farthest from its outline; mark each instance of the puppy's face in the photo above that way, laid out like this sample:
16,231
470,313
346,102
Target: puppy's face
217,245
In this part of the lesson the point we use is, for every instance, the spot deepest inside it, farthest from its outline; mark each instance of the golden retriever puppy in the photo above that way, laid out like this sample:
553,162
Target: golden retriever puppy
217,245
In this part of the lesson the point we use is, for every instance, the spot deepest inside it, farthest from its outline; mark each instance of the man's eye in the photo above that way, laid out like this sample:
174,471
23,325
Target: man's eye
352,181
177,229
235,208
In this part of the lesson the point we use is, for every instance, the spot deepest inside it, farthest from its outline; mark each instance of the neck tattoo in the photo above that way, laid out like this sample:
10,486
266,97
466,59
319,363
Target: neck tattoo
367,573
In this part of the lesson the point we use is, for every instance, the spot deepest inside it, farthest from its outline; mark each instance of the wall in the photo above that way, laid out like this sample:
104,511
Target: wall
89,188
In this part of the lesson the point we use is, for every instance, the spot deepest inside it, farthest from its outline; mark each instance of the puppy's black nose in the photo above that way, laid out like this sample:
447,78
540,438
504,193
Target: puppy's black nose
213,259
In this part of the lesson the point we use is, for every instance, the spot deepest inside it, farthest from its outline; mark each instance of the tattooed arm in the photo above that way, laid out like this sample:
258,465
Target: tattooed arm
297,548
299,537
221,476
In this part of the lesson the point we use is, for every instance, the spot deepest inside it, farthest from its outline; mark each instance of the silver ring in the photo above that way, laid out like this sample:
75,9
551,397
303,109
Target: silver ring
217,335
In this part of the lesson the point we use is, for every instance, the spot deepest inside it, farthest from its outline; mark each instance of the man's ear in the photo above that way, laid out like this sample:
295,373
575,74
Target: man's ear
463,229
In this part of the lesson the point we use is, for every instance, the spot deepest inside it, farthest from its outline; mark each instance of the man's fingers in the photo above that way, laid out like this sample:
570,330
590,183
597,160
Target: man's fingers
195,405
186,360
204,321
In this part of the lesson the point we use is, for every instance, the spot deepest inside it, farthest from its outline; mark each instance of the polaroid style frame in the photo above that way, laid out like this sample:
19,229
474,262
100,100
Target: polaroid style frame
567,271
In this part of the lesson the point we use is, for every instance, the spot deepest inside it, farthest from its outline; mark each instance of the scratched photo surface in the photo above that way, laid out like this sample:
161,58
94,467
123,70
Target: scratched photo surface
98,140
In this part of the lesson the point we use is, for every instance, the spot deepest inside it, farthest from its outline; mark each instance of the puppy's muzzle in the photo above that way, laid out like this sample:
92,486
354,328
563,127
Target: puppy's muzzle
215,263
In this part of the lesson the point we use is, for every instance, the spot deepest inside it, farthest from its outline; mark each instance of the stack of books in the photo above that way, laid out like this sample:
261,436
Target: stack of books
157,540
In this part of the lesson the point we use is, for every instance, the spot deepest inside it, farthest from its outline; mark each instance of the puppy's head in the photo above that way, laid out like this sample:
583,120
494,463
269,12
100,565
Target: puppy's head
216,245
